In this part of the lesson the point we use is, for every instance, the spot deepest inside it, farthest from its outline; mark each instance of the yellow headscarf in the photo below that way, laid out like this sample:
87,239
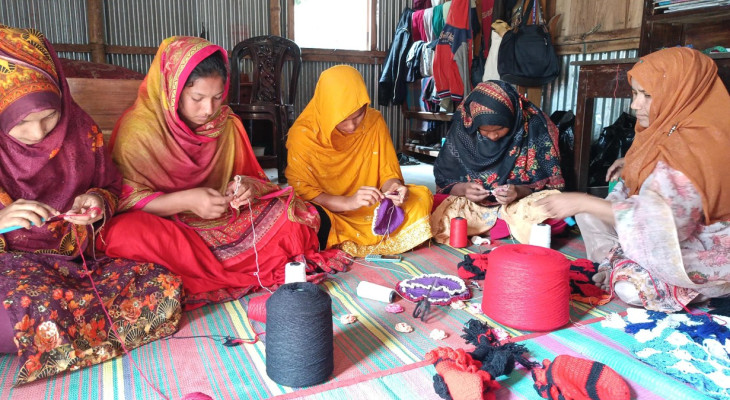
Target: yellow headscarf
321,158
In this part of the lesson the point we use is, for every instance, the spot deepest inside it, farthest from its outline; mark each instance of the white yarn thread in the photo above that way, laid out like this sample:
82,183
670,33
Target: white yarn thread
376,292
255,251
540,235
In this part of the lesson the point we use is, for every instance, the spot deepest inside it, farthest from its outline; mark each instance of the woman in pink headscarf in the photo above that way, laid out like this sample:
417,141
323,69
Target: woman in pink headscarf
194,196
52,160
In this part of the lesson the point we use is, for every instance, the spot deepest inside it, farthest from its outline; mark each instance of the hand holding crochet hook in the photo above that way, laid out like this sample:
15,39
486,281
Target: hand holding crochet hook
239,193
394,190
26,213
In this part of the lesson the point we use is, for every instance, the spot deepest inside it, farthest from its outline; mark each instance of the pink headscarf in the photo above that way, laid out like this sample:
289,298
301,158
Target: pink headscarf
69,161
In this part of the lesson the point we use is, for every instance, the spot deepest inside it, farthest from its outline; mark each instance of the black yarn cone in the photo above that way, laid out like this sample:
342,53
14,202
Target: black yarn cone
299,335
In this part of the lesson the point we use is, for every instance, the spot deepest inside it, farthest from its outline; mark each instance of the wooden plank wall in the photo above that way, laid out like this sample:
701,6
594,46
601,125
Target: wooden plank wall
596,26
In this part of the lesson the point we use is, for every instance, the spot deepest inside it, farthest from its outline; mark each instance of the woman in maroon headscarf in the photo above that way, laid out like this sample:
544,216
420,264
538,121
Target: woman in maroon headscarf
52,160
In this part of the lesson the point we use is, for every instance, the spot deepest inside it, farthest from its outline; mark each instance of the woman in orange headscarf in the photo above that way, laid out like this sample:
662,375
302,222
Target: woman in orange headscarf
662,234
342,158
211,215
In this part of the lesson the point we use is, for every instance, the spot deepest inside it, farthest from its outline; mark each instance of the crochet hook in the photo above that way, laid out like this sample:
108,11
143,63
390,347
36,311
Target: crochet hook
54,218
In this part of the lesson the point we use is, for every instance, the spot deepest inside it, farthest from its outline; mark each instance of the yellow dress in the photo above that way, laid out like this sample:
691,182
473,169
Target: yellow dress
323,160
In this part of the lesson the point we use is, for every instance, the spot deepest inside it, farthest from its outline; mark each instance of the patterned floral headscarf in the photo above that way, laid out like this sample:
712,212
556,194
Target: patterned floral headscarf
527,155
28,78
69,161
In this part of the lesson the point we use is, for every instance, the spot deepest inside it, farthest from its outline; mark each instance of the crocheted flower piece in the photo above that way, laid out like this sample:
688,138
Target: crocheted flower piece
387,217
475,308
394,308
438,334
438,289
348,319
458,305
403,327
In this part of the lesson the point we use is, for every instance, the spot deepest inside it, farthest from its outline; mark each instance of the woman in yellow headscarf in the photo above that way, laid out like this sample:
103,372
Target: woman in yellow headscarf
341,157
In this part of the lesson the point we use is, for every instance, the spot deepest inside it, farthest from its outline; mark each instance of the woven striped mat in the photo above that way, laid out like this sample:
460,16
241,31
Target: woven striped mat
365,349
606,345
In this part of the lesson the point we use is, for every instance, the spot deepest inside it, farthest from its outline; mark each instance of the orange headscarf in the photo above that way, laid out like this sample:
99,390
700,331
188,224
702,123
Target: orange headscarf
321,159
158,153
689,126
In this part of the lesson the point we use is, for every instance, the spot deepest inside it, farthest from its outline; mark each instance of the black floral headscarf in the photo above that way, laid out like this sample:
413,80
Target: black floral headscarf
527,155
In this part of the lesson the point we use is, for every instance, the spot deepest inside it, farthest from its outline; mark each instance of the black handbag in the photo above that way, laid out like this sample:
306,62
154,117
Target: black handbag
526,54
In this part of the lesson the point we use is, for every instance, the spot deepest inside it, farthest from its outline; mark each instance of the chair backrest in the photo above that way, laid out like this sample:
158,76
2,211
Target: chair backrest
268,55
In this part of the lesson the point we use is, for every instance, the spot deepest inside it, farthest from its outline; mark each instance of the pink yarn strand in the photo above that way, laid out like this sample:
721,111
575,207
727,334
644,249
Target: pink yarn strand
109,318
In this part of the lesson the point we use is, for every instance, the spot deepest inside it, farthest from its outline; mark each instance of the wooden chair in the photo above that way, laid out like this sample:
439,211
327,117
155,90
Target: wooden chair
268,54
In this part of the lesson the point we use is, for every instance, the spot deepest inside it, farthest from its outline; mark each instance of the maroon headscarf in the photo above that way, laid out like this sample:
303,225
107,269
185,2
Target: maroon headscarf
69,161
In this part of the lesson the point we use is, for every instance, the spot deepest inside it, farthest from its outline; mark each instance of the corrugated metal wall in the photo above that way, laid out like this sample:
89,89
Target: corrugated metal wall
60,21
389,12
147,22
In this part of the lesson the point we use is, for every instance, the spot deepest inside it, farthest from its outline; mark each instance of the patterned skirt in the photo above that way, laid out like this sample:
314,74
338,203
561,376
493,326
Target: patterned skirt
58,320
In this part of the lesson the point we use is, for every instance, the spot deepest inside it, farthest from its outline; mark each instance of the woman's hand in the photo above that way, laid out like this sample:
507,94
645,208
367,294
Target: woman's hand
366,196
473,191
206,203
562,205
239,193
83,204
507,194
614,171
398,193
24,213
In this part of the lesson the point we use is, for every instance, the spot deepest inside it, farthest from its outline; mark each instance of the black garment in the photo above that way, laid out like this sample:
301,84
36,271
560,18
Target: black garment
392,85
324,226
413,61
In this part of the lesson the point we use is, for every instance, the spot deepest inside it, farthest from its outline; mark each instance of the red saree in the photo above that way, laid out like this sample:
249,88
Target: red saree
220,259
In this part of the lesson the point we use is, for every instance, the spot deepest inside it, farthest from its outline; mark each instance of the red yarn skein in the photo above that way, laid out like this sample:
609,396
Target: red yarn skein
257,308
527,287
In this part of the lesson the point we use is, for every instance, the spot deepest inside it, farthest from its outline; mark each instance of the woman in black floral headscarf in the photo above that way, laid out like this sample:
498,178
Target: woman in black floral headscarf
499,149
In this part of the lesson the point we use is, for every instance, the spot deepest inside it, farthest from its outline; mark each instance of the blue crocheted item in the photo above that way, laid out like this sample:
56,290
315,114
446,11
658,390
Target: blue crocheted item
633,328
708,330
680,353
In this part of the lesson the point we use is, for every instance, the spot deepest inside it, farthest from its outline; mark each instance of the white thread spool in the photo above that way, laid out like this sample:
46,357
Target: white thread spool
295,272
374,291
540,235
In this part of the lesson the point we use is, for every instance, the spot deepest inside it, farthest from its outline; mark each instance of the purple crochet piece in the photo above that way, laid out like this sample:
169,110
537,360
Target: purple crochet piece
387,217
439,289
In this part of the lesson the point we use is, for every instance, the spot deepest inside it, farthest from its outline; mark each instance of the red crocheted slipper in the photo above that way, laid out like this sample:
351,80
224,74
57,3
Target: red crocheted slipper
461,375
574,378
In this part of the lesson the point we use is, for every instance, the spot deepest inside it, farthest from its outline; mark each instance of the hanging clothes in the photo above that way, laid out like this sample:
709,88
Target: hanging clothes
392,83
452,64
